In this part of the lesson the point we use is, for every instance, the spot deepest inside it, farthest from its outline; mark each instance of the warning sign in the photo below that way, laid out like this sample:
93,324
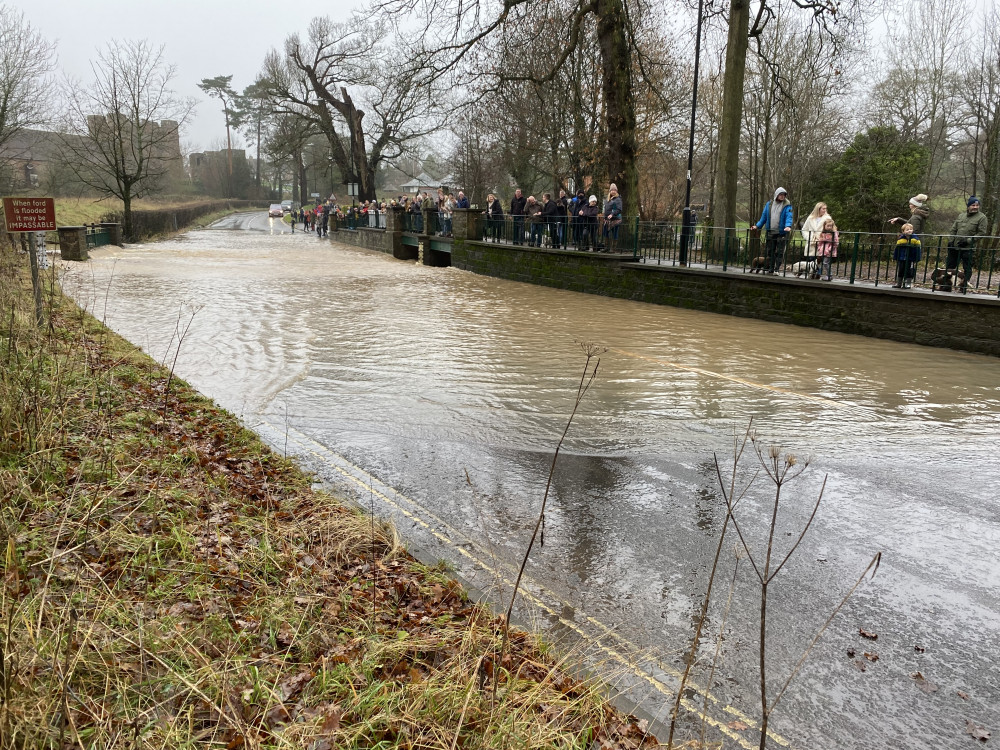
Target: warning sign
30,214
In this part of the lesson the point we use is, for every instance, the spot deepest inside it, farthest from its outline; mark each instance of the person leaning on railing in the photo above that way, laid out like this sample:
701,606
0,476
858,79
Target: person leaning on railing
533,209
969,225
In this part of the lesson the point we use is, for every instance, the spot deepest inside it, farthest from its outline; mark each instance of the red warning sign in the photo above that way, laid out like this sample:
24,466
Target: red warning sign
30,214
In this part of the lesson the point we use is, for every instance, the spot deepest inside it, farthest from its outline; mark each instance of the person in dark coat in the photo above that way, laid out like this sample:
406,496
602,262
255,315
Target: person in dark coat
550,215
517,206
563,212
494,218
534,211
588,223
918,214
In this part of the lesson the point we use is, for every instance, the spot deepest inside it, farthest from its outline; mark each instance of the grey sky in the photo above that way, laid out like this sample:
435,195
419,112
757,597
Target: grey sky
203,39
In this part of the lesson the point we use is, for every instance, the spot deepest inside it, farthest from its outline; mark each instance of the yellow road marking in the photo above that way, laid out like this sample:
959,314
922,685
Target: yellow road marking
322,453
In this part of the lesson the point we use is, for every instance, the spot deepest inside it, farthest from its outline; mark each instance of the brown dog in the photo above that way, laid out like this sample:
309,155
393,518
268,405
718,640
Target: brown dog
758,264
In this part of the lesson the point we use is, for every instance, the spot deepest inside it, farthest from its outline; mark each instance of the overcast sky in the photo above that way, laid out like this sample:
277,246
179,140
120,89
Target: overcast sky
203,39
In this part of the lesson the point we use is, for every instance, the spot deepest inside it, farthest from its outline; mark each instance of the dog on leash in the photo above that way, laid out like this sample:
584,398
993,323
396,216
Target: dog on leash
805,268
758,264
943,280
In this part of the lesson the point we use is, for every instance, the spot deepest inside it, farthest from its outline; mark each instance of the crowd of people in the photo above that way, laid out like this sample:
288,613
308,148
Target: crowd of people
580,220
822,238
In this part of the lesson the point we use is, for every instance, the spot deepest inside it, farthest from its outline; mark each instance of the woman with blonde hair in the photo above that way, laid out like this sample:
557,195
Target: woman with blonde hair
812,226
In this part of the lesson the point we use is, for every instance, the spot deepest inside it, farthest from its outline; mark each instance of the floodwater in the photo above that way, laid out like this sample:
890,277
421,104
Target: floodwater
444,394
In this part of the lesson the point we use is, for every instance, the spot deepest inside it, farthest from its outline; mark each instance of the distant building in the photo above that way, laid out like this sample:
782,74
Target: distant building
210,173
36,159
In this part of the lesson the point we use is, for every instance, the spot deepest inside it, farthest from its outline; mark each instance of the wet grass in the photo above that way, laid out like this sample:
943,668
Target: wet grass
170,582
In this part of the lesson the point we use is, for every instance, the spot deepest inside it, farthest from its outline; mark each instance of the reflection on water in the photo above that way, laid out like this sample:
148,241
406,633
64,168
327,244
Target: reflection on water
421,374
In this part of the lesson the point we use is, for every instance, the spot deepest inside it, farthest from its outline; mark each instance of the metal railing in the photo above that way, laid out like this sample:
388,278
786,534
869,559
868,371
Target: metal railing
97,236
595,234
860,257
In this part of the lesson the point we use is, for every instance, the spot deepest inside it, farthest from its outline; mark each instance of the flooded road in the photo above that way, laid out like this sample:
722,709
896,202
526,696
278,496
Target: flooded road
402,381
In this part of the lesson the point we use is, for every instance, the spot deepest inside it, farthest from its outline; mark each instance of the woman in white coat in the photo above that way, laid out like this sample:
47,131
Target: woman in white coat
811,228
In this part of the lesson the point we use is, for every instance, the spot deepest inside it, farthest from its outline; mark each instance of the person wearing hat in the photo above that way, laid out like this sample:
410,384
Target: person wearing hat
588,222
776,218
918,214
969,225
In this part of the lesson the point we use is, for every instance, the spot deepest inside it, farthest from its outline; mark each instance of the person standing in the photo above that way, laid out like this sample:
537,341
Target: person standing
811,228
906,254
588,223
534,211
561,236
462,201
776,219
576,206
827,242
612,217
968,226
550,215
918,214
494,217
517,206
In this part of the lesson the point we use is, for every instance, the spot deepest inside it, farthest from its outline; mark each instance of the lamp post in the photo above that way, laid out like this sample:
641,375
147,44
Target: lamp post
687,225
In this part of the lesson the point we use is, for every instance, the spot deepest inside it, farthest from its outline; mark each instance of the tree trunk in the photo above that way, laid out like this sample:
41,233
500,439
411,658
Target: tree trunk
127,215
619,102
732,112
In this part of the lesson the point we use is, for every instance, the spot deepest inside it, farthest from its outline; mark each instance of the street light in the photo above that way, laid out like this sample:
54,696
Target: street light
687,225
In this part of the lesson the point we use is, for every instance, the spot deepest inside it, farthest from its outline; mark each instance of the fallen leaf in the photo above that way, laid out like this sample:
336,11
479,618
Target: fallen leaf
850,653
977,732
871,656
963,695
860,665
738,725
291,687
923,683
866,634
919,649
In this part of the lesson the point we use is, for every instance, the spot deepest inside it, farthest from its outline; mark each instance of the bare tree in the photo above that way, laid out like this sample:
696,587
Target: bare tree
919,94
26,59
123,130
345,78
980,92
831,21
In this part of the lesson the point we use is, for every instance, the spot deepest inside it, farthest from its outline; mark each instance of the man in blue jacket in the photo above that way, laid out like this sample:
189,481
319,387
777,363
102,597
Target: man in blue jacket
776,218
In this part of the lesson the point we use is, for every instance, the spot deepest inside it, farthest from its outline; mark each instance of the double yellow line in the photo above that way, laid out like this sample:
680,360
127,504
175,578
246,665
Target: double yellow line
441,530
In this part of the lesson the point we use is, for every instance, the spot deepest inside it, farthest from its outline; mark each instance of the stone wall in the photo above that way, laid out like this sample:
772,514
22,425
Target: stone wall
370,239
970,323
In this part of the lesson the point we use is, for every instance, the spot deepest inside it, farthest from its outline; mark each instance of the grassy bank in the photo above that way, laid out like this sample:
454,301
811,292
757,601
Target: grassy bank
170,582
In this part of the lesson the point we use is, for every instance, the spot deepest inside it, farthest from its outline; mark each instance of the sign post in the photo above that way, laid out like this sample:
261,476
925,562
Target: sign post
31,215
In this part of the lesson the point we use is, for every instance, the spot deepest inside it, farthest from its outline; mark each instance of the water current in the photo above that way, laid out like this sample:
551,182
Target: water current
453,389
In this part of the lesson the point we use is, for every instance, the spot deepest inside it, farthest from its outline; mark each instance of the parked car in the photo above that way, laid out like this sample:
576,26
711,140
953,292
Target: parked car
288,206
276,210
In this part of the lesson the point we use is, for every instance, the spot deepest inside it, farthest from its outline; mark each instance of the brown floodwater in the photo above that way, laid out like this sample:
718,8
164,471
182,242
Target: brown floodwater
445,393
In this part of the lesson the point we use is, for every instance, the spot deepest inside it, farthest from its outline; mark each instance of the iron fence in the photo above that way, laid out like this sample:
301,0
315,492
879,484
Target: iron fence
596,234
860,257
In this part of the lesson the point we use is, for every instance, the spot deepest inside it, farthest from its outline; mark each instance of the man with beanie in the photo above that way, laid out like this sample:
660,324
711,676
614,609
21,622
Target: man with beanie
776,219
969,225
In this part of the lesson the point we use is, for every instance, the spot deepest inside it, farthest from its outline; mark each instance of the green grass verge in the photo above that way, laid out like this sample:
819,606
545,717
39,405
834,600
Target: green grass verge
170,582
